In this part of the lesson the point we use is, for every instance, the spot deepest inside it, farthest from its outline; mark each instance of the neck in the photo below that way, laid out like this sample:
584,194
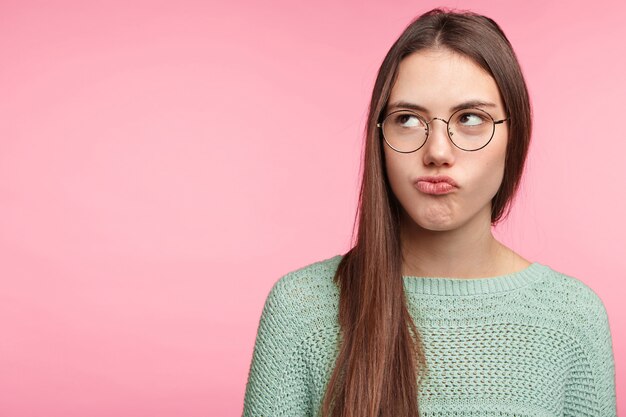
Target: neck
470,251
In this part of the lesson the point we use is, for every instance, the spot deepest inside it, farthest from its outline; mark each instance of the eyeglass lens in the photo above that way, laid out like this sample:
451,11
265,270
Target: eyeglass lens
469,129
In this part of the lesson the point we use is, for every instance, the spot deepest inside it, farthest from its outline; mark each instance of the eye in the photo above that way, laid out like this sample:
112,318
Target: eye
406,120
471,119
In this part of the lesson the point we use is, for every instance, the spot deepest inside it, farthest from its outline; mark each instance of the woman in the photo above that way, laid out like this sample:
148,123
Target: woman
428,314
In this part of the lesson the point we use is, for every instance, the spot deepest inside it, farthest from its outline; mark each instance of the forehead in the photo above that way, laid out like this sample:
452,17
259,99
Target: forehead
438,79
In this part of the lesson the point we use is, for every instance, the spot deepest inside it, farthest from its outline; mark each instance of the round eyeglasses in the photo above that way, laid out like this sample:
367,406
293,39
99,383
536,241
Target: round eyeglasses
469,129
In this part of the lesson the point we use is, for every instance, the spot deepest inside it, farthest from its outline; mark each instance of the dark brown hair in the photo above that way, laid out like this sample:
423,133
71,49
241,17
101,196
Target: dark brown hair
381,359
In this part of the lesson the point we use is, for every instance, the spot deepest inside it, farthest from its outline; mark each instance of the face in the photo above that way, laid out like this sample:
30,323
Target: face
437,81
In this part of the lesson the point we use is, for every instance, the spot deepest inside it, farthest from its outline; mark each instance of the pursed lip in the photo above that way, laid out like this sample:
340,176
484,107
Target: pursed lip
436,179
435,185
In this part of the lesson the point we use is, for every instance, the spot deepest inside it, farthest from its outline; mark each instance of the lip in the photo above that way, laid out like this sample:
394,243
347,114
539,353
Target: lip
436,185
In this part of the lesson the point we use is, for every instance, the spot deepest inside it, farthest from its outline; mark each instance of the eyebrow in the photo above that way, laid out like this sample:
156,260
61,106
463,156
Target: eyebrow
465,104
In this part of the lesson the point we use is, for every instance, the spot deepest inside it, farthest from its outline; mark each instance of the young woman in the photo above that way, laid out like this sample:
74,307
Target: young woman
428,314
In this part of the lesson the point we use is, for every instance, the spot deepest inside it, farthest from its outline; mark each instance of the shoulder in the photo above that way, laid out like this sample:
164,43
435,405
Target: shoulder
305,294
572,292
579,306
306,282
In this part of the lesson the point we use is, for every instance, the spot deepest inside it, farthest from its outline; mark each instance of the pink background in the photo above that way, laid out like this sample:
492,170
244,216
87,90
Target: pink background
164,163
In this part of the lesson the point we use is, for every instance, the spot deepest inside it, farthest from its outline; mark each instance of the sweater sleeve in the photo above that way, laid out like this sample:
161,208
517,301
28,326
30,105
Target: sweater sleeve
592,378
276,379
604,361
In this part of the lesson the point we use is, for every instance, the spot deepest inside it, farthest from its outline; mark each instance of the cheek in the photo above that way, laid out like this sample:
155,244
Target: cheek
396,170
490,175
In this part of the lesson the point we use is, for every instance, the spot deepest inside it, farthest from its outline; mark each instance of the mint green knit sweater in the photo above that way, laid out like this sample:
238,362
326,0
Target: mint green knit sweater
535,343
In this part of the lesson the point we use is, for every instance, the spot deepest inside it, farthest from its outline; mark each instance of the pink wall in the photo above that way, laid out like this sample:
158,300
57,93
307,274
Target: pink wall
164,163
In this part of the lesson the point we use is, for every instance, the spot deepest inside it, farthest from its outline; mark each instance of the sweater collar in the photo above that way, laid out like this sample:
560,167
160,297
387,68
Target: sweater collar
452,286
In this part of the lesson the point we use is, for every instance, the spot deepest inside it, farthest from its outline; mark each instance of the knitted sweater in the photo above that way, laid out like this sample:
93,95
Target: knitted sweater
535,343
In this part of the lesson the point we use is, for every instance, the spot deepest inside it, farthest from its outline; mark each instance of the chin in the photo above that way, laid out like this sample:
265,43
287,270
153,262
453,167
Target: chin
436,222
435,226
438,228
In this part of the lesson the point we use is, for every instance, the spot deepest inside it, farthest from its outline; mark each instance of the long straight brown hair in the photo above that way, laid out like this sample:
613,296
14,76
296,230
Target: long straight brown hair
381,360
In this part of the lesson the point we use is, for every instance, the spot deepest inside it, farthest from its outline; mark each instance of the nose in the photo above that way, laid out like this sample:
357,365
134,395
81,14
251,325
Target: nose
438,149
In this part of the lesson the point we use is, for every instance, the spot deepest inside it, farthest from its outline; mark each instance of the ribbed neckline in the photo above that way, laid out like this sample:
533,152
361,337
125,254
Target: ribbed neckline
473,286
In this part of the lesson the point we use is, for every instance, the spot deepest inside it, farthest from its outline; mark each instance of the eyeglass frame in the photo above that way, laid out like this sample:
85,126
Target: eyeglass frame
493,131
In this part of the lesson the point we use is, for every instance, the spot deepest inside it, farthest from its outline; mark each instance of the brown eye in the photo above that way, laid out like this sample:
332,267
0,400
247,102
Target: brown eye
471,119
406,120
